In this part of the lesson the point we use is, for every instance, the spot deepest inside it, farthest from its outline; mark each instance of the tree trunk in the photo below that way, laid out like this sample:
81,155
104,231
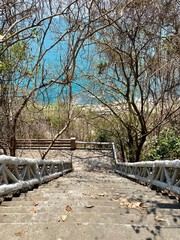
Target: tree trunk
122,151
131,147
139,148
12,146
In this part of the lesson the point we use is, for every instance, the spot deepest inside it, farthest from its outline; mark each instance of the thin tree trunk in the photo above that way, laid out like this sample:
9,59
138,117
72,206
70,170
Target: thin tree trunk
122,151
54,139
13,146
139,149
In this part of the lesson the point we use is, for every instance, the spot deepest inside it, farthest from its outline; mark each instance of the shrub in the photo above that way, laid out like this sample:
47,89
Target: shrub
166,146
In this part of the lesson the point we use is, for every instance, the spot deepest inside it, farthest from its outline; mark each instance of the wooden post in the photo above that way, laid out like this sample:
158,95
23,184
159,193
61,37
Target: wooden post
73,143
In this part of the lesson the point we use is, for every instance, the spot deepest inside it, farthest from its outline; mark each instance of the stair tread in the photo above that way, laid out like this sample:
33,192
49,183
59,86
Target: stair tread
138,217
88,231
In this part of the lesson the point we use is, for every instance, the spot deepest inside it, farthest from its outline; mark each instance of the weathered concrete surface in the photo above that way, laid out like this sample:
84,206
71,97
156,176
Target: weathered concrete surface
91,203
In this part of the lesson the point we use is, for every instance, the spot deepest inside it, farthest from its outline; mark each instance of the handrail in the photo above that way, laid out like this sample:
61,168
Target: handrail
98,145
164,174
21,173
114,153
68,144
93,145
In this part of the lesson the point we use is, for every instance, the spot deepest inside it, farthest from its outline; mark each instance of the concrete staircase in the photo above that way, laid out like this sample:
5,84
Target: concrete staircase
90,204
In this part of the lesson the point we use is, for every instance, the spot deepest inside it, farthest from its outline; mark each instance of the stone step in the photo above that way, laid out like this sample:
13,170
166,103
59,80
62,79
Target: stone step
80,209
160,212
65,201
86,231
80,194
14,209
94,188
88,194
110,187
91,217
98,184
35,215
69,196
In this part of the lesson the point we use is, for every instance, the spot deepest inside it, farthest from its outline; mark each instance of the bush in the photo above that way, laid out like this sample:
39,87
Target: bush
166,146
103,135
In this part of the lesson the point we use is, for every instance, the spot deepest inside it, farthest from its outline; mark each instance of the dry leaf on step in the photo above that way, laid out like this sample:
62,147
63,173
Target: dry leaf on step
85,193
101,194
89,206
63,217
142,205
158,219
35,203
20,233
68,208
93,197
33,210
129,204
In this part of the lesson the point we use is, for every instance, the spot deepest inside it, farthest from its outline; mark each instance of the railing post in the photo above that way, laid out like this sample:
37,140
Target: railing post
114,154
73,143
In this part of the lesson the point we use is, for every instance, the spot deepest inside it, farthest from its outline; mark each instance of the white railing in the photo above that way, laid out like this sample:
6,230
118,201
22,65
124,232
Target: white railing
164,174
93,145
20,173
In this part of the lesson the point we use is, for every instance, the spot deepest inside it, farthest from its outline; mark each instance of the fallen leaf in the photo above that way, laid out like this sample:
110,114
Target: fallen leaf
84,193
124,202
93,197
135,204
142,205
129,204
158,219
90,206
20,233
68,208
101,194
35,203
33,210
63,217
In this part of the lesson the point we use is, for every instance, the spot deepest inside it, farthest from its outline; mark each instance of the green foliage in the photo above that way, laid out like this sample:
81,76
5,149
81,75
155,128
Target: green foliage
16,60
101,66
166,146
103,135
57,114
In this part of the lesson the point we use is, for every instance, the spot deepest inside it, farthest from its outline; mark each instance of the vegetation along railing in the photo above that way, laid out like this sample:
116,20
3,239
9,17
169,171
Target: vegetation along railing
164,174
22,174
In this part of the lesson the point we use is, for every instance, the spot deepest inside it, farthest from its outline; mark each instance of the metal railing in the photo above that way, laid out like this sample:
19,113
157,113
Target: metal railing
66,144
164,174
20,173
93,145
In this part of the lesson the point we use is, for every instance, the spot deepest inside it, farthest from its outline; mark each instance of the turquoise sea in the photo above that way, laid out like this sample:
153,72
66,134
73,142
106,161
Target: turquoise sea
54,59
